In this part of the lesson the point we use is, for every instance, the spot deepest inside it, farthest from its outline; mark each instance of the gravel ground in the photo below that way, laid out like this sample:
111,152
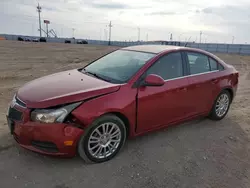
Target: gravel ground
200,153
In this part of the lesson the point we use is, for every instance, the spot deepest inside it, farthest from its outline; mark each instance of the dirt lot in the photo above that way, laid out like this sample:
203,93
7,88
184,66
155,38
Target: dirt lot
198,154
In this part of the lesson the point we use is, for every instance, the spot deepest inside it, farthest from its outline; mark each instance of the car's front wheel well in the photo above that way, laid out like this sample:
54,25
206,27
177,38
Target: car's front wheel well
124,119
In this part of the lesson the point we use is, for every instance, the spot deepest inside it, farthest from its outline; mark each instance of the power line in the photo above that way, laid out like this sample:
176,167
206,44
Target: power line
76,23
34,17
32,20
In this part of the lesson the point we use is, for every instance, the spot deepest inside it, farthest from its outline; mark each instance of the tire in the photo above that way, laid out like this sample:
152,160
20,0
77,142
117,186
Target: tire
215,115
110,122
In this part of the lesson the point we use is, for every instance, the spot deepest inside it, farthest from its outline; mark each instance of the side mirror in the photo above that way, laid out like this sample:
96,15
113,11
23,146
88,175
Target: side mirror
153,80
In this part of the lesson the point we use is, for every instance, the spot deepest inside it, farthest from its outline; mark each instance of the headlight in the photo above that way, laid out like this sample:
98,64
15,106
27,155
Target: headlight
53,115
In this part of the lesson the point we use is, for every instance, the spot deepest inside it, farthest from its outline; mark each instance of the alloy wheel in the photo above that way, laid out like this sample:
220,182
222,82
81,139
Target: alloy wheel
222,105
104,140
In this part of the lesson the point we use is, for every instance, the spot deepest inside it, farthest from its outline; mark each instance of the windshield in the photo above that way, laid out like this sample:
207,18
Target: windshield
118,66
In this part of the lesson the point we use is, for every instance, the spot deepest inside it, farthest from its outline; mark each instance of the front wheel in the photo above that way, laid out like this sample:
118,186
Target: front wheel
102,140
221,106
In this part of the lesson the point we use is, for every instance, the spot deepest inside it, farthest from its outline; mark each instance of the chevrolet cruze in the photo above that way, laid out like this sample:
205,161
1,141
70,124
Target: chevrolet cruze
131,91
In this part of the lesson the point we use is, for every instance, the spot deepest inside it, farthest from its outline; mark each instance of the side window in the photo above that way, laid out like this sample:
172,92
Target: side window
213,64
198,63
220,67
168,66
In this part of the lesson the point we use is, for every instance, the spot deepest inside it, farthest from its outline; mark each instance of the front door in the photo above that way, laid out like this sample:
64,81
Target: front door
159,106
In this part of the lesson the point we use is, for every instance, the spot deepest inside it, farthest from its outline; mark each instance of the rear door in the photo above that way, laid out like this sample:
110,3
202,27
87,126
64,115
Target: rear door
202,81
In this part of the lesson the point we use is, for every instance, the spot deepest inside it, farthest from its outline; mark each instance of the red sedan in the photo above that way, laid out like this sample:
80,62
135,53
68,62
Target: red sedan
126,93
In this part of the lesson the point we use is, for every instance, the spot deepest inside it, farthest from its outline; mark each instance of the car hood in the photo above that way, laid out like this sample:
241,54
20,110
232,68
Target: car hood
63,87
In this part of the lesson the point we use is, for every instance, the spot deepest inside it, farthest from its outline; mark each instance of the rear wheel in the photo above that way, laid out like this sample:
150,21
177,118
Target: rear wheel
102,140
221,106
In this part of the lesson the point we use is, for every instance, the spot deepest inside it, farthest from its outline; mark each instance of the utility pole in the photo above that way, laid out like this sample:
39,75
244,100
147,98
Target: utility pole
180,37
73,32
100,34
171,37
39,10
139,33
232,39
105,34
47,28
110,25
200,35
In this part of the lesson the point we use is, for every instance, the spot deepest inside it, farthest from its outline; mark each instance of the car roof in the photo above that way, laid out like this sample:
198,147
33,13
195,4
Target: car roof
152,48
156,49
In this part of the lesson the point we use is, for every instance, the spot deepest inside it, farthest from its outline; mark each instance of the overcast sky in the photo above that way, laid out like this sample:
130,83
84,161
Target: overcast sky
219,20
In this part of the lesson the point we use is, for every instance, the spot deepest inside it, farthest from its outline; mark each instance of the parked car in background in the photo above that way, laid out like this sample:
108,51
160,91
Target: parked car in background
67,41
42,39
35,40
20,39
27,39
82,42
129,92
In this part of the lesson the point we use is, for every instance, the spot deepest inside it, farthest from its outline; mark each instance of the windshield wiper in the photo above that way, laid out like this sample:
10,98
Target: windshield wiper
96,75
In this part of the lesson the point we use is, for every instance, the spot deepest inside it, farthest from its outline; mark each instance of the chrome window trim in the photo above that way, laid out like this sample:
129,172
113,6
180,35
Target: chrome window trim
191,75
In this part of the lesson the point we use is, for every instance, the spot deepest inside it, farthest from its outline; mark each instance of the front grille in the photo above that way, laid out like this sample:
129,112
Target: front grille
45,146
20,103
14,114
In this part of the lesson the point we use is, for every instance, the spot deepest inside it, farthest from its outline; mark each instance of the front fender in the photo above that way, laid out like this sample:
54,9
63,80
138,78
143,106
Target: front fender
122,101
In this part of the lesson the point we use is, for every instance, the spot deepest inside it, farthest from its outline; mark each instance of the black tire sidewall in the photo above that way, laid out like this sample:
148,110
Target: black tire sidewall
213,112
83,143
